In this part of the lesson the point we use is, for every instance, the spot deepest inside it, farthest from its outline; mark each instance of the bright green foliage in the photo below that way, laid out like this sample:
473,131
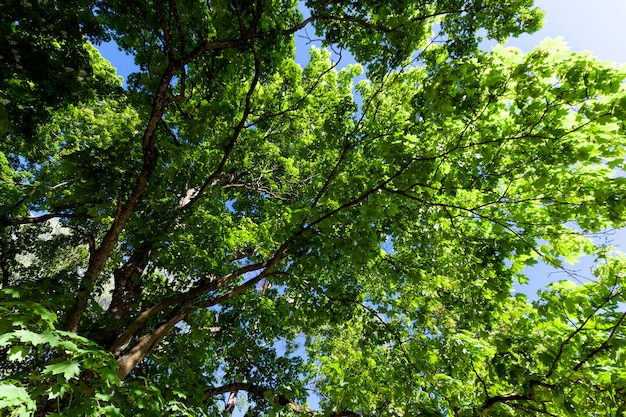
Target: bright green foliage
560,355
236,228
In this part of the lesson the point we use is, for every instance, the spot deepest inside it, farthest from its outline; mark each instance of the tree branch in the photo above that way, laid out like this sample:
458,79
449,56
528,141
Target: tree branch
150,155
127,361
576,332
308,20
602,347
237,131
126,337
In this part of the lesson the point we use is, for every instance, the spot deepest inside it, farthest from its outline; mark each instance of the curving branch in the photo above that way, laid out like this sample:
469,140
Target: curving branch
39,219
209,285
605,345
126,209
578,330
308,20
214,177
150,153
146,343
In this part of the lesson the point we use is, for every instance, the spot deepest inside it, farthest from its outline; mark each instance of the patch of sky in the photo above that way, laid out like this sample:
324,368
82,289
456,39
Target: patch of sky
580,271
123,63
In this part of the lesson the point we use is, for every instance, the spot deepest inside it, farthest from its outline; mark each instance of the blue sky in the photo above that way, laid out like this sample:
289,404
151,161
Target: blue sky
593,25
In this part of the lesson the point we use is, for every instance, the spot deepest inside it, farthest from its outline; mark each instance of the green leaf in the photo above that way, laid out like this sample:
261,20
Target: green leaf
18,353
17,400
69,369
111,410
57,391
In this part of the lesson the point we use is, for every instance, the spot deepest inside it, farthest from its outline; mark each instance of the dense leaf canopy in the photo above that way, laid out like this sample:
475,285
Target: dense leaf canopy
236,230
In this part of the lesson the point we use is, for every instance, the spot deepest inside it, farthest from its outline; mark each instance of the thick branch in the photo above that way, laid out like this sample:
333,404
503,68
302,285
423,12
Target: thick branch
237,290
150,154
127,284
491,401
125,338
146,343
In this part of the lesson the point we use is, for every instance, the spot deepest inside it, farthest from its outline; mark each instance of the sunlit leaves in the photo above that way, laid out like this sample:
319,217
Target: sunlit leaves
16,399
236,221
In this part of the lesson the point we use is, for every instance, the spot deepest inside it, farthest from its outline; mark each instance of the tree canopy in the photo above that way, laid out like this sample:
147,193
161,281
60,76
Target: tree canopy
234,229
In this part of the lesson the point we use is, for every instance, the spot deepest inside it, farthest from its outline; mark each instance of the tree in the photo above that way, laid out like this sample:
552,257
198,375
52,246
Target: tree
232,223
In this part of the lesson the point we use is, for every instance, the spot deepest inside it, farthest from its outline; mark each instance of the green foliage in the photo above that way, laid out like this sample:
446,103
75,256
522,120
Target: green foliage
236,227
44,61
559,354
41,362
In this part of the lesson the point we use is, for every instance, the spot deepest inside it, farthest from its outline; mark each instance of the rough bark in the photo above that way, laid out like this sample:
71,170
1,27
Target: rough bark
127,281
